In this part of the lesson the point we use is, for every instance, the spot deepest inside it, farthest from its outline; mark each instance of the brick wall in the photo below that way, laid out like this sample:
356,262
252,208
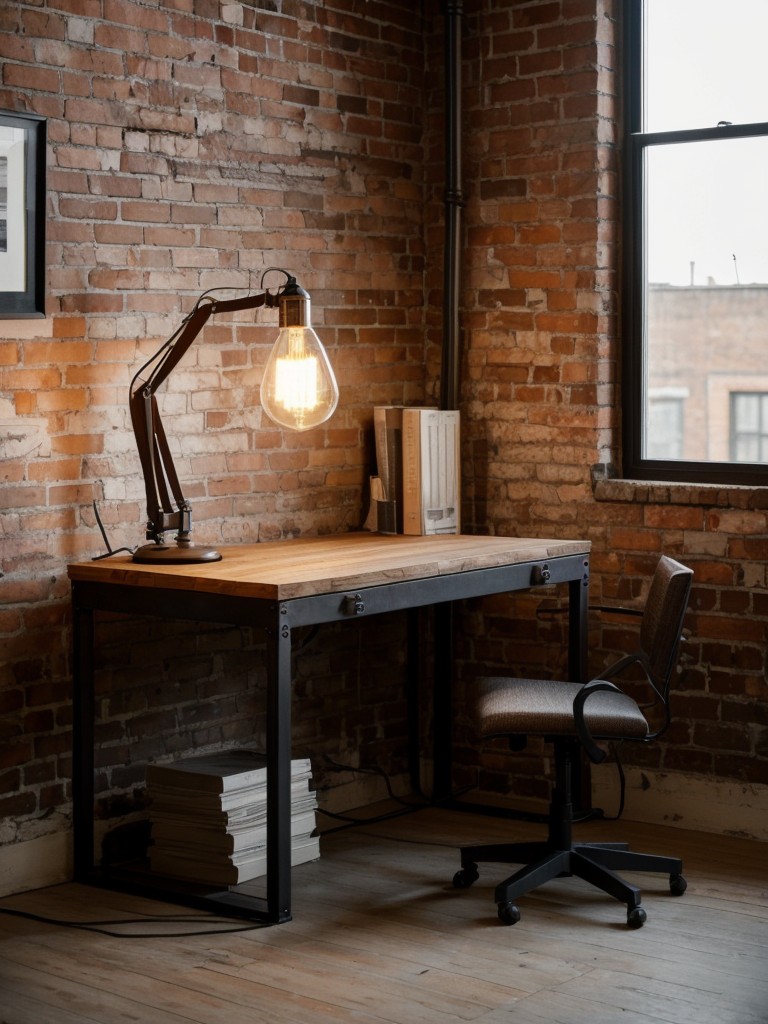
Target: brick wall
540,397
196,145
192,146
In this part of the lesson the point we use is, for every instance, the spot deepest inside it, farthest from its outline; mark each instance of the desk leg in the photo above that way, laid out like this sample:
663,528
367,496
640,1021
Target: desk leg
442,699
578,672
82,741
442,691
413,697
578,609
279,773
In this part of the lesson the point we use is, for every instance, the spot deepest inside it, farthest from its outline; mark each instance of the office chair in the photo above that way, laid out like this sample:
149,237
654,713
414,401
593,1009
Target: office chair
573,717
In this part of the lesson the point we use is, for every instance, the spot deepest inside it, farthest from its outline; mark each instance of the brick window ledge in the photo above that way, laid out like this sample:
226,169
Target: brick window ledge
659,492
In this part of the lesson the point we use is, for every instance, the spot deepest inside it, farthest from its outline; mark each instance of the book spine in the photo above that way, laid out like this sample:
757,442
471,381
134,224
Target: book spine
388,429
431,472
412,508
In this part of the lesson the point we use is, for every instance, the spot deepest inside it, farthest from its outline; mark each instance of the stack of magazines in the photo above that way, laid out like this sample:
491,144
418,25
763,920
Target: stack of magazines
209,817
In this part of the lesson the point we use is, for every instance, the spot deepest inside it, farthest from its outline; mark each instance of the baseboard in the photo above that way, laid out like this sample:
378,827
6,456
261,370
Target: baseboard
686,801
36,863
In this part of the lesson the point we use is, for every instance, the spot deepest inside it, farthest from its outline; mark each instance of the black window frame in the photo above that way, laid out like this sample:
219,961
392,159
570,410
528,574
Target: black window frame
633,319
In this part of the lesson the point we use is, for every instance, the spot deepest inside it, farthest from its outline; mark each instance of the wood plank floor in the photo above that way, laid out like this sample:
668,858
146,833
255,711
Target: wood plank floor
379,935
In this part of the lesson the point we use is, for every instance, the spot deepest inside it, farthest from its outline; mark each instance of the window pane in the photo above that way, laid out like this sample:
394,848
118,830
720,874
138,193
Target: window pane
749,427
705,63
706,285
665,431
747,413
746,449
707,212
706,290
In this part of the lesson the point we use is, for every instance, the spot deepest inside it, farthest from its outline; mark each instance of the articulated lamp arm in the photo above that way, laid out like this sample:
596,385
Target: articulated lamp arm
298,392
167,508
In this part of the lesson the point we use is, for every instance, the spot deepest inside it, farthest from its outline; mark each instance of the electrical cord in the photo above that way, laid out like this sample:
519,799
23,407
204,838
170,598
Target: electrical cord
110,550
99,929
335,766
409,807
406,806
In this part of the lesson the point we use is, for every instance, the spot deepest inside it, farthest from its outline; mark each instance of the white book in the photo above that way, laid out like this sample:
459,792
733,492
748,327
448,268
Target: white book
431,471
234,806
220,772
207,873
190,835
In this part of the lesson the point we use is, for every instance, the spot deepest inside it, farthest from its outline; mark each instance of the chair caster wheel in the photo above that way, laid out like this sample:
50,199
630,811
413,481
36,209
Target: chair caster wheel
508,913
465,877
636,917
677,885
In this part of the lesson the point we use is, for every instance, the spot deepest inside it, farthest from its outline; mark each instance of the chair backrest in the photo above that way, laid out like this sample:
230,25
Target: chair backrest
662,624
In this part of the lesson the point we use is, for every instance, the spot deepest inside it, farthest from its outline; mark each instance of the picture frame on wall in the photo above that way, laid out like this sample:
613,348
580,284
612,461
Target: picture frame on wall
22,215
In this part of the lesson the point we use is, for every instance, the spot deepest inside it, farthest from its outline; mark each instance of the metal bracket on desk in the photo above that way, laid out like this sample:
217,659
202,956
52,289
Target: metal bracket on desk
353,604
540,575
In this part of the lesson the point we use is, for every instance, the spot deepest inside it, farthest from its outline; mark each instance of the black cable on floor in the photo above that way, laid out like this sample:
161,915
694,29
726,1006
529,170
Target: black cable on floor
96,926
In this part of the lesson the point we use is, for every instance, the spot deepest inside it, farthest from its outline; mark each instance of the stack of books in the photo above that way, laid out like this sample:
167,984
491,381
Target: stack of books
208,817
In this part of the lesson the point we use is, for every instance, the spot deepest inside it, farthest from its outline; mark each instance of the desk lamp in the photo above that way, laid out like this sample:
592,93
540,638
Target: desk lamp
298,391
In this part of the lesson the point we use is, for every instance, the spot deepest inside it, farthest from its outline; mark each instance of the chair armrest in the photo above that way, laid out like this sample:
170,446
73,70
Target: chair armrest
636,658
596,755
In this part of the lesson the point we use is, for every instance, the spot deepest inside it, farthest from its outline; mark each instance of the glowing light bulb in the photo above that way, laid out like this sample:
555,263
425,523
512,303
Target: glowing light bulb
299,390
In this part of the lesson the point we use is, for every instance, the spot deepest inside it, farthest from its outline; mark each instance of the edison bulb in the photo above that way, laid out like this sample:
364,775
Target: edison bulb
299,390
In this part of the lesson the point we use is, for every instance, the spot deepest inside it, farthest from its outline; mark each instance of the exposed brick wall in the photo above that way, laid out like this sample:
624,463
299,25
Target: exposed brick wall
540,399
193,145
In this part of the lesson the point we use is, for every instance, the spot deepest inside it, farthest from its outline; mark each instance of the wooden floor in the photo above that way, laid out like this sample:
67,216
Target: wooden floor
380,935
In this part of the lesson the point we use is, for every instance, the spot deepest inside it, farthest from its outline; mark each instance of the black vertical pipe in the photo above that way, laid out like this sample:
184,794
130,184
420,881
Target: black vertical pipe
454,200
449,381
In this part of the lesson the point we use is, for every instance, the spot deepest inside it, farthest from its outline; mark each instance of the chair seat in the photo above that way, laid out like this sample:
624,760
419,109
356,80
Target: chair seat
545,707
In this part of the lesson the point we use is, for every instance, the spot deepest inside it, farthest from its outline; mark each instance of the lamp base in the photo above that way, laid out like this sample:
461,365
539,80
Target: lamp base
174,554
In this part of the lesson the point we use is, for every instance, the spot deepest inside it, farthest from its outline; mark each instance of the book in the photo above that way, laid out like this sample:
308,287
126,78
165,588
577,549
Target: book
388,435
188,836
220,772
431,471
230,806
208,872
233,811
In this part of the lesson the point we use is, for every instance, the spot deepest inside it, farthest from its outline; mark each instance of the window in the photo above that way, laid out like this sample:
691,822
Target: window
749,427
696,231
666,412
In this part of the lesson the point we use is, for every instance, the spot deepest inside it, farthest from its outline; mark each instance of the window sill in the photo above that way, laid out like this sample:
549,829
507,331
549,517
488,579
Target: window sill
652,492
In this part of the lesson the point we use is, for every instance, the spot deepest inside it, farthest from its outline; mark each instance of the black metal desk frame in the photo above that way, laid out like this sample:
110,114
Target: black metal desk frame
279,618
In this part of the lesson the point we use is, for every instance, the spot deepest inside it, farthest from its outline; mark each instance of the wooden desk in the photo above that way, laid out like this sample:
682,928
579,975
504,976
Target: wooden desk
280,586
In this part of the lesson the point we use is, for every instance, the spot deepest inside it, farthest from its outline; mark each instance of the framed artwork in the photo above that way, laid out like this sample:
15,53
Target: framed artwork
22,215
